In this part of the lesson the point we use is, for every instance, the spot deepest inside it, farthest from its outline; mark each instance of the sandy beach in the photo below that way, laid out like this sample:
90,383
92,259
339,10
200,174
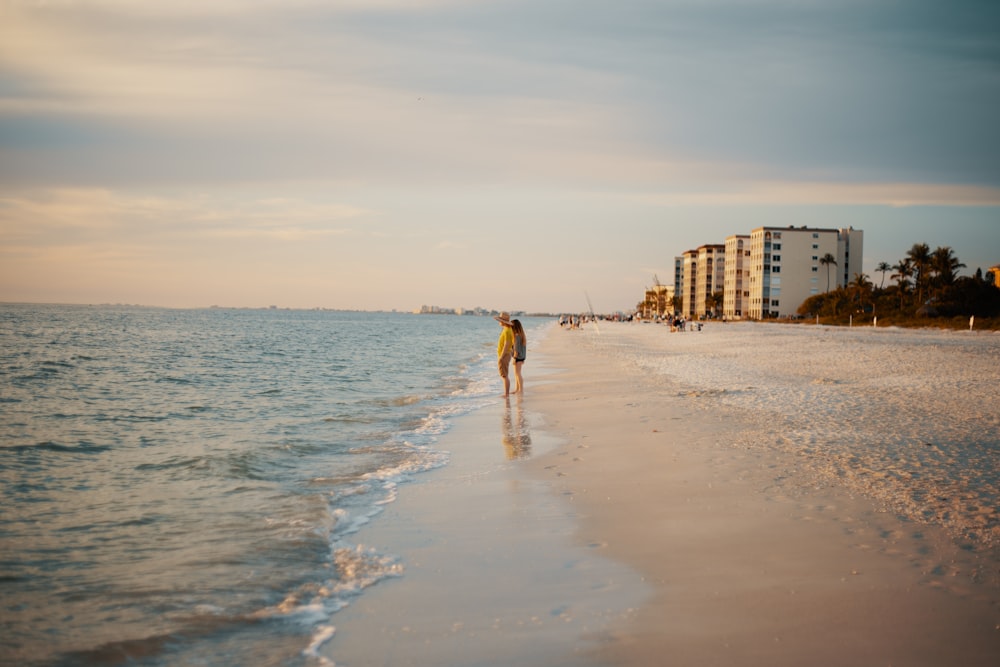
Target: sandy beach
745,495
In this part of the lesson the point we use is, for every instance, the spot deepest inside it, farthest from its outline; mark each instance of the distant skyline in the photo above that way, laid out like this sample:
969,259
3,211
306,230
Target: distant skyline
387,154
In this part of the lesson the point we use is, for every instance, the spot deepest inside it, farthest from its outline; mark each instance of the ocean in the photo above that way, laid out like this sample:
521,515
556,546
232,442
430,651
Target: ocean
182,486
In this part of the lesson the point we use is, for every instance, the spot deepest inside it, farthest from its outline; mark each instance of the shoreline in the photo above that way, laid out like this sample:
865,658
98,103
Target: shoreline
644,529
491,572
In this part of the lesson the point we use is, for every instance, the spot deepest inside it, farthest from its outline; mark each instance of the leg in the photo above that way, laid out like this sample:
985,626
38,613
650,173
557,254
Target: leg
503,366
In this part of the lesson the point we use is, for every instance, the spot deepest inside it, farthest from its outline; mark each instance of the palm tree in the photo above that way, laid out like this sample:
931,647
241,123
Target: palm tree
883,268
828,259
903,273
920,259
715,302
861,286
945,265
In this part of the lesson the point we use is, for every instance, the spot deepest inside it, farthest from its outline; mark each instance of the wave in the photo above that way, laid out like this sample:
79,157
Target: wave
119,652
49,446
400,401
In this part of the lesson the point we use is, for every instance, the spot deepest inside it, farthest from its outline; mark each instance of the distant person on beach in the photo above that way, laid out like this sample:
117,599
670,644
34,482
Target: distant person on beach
505,349
520,353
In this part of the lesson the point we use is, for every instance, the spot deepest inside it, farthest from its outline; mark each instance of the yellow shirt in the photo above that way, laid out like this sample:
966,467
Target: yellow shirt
506,340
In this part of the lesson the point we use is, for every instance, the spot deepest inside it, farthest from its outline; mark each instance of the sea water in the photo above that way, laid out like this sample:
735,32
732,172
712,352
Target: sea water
182,486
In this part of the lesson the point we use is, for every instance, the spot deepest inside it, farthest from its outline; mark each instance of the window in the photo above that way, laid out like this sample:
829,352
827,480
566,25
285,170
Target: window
815,246
776,258
775,269
815,235
777,246
815,258
815,269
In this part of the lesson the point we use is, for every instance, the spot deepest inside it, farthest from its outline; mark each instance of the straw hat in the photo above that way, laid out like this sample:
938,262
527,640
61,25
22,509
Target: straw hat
503,318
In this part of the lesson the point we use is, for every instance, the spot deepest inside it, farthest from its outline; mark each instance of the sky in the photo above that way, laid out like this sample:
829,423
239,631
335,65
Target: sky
515,155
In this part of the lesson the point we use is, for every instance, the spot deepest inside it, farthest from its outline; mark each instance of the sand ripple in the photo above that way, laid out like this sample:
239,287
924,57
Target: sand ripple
908,418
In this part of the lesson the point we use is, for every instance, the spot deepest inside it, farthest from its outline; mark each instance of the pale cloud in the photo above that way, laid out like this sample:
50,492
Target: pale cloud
173,250
770,193
100,211
125,68
268,104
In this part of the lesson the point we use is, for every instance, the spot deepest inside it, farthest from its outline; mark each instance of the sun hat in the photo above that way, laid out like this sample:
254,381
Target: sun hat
503,318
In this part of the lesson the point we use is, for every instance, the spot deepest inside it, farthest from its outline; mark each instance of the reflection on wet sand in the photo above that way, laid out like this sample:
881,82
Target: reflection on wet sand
516,435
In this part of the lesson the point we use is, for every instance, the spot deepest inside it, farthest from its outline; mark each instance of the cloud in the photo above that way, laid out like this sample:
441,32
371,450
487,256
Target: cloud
790,193
493,92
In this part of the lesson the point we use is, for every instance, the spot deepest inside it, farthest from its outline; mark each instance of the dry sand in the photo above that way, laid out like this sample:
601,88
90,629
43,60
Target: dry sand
680,503
750,565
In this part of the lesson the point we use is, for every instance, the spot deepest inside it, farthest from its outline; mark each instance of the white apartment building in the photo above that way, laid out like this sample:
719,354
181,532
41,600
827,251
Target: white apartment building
698,274
711,277
785,267
689,281
737,281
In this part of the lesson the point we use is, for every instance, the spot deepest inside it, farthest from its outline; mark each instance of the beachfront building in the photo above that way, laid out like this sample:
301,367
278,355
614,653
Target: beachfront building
736,287
689,281
711,279
700,274
787,267
678,280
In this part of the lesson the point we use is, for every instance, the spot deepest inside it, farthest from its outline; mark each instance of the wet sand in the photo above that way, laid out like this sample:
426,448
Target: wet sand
492,573
646,525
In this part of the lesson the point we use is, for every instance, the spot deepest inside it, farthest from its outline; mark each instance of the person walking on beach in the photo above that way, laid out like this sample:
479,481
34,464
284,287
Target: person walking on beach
520,353
505,349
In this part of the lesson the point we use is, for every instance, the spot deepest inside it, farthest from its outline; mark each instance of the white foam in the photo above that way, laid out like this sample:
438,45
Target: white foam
321,635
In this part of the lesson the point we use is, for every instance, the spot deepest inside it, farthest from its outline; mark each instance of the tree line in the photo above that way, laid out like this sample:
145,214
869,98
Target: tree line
923,284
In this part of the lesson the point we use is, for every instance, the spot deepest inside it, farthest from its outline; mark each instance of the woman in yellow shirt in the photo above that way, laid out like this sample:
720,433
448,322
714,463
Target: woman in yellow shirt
505,349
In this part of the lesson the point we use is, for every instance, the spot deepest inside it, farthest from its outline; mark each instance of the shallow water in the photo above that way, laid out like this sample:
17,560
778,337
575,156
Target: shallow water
181,487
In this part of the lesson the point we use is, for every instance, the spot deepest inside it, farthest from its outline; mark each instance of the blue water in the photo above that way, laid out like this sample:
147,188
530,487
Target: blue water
181,486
